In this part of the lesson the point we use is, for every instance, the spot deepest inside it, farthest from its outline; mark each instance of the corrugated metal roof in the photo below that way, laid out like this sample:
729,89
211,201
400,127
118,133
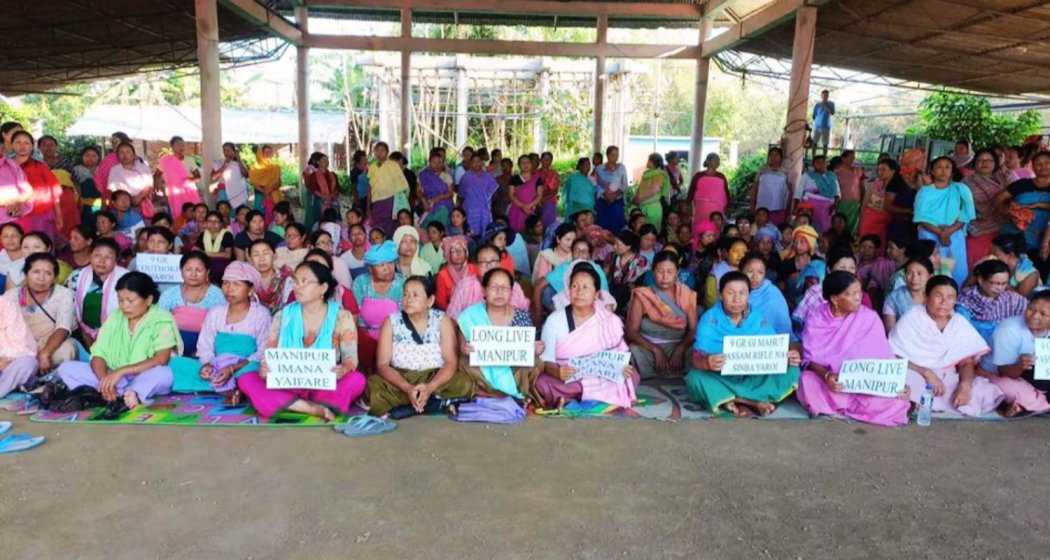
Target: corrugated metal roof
160,123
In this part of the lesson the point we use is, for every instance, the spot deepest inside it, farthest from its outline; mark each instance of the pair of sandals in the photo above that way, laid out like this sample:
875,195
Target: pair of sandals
14,443
364,426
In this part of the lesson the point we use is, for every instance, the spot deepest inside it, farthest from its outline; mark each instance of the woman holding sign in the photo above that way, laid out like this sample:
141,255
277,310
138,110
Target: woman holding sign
496,311
312,321
661,321
416,357
740,395
577,332
1011,364
838,330
190,301
231,341
129,360
942,349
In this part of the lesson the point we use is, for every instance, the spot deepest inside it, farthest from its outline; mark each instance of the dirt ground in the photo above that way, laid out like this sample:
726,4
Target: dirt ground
550,488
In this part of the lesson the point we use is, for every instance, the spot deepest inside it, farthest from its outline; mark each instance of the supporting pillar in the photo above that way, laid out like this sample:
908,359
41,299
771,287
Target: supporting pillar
302,89
207,16
703,66
798,100
406,83
386,110
599,85
462,96
539,133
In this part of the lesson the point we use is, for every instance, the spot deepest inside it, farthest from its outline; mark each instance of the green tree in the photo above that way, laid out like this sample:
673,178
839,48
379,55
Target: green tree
948,115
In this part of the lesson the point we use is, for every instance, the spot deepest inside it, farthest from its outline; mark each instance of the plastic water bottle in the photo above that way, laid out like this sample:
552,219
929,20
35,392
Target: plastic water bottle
925,414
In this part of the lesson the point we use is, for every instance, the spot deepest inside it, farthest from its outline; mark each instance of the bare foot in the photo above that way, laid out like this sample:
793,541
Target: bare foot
326,413
561,403
1012,410
233,398
764,408
737,411
131,399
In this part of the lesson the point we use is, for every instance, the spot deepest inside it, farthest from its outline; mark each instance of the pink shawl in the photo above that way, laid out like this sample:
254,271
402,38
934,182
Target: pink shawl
603,331
179,186
14,189
828,340
102,173
469,291
457,273
917,338
109,294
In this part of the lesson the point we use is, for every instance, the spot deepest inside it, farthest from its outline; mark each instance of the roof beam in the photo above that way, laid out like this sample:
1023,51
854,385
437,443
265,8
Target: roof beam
761,21
712,8
253,11
521,48
654,10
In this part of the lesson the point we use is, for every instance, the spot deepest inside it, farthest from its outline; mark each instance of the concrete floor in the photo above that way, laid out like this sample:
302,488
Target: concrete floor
550,488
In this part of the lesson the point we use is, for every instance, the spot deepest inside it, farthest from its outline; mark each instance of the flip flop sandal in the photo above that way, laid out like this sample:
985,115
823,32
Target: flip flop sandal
364,426
19,442
4,426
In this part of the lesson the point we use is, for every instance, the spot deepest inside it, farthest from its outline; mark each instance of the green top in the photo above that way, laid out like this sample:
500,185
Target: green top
92,310
119,347
432,256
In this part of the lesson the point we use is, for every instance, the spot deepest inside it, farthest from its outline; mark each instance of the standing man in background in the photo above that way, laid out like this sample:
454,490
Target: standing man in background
822,113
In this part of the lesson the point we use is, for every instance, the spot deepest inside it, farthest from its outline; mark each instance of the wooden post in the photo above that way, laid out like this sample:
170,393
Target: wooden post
599,84
302,89
703,66
798,100
539,133
462,97
406,83
207,16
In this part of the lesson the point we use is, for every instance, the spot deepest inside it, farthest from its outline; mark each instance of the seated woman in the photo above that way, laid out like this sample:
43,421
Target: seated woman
255,230
10,246
838,330
159,241
408,263
556,284
34,242
742,395
231,342
129,359
313,321
294,249
18,349
840,258
990,300
580,330
796,261
217,242
354,257
190,301
47,310
469,291
95,291
272,290
765,298
548,259
730,251
457,267
343,296
1011,363
917,272
661,321
1024,277
496,311
323,241
626,268
942,349
106,228
378,294
416,357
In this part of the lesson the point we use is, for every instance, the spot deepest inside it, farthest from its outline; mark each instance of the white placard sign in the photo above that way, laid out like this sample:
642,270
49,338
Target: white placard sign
755,355
607,365
503,346
882,378
161,268
1042,359
300,368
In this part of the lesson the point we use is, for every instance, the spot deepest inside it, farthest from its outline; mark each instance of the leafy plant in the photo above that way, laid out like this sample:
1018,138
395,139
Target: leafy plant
948,115
741,179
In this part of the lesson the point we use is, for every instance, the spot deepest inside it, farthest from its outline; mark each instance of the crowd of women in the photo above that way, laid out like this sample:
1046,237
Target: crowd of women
939,263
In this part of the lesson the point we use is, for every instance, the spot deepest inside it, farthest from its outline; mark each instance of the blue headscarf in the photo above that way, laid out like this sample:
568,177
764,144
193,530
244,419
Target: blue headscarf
381,254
